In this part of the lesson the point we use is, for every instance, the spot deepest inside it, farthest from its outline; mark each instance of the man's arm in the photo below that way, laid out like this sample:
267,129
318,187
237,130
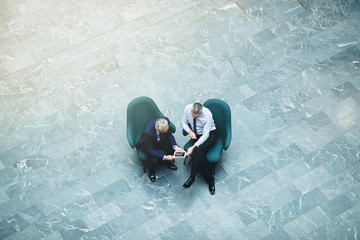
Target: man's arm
148,148
184,122
172,139
206,131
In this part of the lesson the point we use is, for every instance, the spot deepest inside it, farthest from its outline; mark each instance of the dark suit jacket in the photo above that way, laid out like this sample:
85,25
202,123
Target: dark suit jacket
148,139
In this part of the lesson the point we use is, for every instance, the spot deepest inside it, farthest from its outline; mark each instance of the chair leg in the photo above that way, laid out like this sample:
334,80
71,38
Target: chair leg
144,167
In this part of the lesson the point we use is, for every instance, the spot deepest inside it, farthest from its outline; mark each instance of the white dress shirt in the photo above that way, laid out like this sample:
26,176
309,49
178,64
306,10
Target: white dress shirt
204,123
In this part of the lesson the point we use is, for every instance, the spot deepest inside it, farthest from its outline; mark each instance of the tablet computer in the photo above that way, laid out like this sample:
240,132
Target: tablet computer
179,154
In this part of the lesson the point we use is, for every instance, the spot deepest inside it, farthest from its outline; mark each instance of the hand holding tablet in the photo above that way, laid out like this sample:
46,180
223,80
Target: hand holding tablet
179,154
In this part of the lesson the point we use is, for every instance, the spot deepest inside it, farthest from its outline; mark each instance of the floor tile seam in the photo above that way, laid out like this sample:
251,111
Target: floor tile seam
335,178
176,13
329,74
344,154
69,9
286,206
330,28
147,223
67,49
230,17
305,233
21,231
70,48
63,190
349,211
348,45
313,171
187,24
31,15
255,5
267,104
24,193
42,151
117,234
190,23
270,157
346,117
20,114
339,215
292,188
273,173
310,168
281,85
19,16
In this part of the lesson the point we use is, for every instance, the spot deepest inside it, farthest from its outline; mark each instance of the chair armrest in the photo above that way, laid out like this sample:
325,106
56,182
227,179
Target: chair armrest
184,133
130,137
228,137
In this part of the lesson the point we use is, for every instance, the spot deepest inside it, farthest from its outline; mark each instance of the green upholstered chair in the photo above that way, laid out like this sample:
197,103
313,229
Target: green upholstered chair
222,117
140,112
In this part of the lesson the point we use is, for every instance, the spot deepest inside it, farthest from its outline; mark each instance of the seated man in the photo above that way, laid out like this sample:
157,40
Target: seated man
156,137
203,136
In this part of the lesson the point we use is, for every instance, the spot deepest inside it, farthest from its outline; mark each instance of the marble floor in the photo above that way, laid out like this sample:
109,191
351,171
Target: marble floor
289,70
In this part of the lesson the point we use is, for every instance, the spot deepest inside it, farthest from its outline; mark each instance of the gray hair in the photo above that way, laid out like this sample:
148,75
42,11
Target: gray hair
196,108
161,124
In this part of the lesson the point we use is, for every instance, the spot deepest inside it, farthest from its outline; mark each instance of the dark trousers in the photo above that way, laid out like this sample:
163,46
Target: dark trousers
199,160
163,147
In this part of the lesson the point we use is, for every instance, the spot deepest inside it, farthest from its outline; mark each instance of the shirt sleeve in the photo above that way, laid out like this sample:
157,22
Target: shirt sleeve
184,121
206,131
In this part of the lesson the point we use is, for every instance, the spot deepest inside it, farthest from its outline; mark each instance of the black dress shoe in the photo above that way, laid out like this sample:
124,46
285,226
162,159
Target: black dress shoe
188,183
171,166
212,188
152,176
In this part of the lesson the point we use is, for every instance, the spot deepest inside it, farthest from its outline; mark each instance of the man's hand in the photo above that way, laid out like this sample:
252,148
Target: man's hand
192,134
169,157
178,149
190,150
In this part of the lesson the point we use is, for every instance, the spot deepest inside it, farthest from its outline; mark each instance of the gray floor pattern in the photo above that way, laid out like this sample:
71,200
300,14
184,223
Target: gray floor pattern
290,71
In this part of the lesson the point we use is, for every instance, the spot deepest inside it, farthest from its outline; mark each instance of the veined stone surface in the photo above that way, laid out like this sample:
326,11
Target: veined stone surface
289,70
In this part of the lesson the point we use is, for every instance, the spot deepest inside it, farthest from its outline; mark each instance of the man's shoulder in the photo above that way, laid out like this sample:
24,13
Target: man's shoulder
206,111
188,107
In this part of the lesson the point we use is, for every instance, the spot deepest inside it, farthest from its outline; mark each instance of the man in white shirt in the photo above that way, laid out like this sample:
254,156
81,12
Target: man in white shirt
198,122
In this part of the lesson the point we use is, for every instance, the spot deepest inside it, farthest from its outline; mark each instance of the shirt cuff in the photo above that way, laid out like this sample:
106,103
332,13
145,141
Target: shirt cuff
186,129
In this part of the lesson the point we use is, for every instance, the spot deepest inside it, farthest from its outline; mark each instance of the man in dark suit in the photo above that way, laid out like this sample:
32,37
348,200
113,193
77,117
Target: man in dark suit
158,144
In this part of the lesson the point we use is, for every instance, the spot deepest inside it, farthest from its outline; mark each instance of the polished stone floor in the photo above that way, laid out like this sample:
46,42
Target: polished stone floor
289,69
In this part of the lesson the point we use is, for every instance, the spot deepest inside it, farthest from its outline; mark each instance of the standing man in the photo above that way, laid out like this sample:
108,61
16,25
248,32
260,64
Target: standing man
158,144
203,136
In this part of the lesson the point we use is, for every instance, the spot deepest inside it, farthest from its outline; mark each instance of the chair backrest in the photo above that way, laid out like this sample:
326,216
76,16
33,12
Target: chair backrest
140,112
222,117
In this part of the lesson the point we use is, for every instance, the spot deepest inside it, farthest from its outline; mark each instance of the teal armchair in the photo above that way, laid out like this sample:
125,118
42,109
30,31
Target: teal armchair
140,112
222,117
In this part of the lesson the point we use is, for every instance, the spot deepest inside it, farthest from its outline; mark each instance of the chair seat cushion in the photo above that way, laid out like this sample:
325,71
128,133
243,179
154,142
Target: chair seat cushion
141,154
215,152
